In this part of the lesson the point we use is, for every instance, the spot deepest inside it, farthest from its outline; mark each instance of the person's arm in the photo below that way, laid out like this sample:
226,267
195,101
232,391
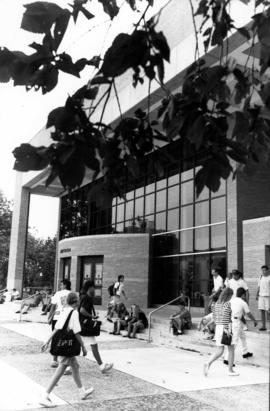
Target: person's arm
45,345
86,313
252,318
51,313
247,295
200,325
79,338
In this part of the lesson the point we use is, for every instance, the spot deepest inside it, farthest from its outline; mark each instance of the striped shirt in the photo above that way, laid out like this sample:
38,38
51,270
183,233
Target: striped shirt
222,313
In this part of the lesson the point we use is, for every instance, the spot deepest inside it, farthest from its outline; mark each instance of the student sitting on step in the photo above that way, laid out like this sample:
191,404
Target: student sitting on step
138,321
181,320
207,326
121,322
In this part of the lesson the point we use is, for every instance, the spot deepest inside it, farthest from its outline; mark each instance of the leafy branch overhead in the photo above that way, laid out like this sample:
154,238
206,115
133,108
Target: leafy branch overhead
220,110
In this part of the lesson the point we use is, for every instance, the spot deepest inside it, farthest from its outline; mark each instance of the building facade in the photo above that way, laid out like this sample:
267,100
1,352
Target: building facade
162,236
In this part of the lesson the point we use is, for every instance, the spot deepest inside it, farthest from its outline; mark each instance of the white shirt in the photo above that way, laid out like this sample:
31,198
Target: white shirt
119,288
239,308
235,284
264,284
218,282
60,300
74,323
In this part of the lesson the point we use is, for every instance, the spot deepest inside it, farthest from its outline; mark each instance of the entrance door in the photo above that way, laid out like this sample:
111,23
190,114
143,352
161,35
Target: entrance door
66,268
92,269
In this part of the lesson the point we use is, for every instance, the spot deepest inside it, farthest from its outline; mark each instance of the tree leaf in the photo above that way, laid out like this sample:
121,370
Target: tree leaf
66,64
160,43
40,16
27,158
244,32
110,7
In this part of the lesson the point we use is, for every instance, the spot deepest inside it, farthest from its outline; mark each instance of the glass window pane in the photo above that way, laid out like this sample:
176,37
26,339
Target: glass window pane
173,219
187,192
218,212
149,204
130,195
114,201
161,200
221,190
120,200
139,192
139,207
204,195
202,239
120,227
161,222
166,244
186,241
129,210
186,274
173,196
187,175
161,183
149,188
120,212
150,222
113,215
202,213
173,180
187,216
218,236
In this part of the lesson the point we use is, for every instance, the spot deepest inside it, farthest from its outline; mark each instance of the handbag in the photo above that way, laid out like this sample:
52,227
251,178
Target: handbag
64,342
90,328
226,338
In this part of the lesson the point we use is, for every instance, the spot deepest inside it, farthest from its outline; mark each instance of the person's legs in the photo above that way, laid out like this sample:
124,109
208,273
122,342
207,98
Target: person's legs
95,352
231,349
214,357
56,377
135,327
263,319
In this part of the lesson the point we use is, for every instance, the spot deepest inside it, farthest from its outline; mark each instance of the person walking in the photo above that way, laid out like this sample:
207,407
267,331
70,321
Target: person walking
218,286
222,317
58,304
116,291
263,295
87,310
72,302
236,282
239,309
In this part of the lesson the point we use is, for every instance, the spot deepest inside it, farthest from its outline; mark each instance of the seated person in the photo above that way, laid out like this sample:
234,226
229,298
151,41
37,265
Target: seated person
181,320
15,295
122,319
38,298
46,305
207,326
137,322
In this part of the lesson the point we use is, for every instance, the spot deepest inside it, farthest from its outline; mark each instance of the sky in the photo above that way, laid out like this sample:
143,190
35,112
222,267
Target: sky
23,114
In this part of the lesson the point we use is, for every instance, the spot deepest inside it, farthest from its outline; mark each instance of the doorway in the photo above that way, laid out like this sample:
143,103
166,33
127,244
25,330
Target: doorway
92,269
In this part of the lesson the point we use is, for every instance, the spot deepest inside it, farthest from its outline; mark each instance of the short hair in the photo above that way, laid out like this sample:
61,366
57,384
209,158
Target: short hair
120,276
265,266
216,269
67,283
240,291
225,295
72,298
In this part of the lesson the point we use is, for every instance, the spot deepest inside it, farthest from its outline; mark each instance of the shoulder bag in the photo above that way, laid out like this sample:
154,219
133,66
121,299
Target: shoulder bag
64,343
90,327
226,338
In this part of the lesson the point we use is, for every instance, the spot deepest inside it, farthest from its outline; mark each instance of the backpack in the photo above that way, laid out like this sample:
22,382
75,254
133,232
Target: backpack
110,290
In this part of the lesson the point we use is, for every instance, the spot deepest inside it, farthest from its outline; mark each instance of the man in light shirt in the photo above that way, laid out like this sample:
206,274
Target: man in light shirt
238,282
218,286
263,295
239,309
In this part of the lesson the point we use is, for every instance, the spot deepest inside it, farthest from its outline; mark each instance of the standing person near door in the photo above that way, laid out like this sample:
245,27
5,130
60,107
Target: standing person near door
58,304
87,310
263,295
119,288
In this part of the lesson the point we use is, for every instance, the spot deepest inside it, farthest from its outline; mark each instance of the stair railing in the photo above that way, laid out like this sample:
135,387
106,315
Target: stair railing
160,308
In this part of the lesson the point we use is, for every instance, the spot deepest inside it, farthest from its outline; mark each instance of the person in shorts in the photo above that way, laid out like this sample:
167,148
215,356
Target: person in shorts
181,320
263,295
72,303
87,310
58,304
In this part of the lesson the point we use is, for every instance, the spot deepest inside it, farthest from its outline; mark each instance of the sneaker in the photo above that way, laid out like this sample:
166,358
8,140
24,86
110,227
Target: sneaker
68,371
46,402
247,355
233,374
226,362
86,392
54,364
262,329
107,367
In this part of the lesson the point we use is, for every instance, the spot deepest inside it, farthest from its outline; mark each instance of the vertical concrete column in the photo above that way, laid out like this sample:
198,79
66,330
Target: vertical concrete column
18,235
74,278
232,229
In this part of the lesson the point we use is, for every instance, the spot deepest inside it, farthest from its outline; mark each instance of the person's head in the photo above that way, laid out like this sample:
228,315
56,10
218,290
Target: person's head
121,278
236,274
241,293
14,289
215,272
88,288
265,270
72,299
225,295
65,284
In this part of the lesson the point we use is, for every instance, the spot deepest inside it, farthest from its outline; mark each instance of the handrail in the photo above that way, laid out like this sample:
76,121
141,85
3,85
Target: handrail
160,308
2,291
27,298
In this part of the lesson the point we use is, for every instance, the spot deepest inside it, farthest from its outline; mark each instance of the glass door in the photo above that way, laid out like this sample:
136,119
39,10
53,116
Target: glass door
66,268
92,269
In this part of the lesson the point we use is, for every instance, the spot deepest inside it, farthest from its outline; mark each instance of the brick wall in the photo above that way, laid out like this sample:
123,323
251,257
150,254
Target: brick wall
126,254
256,238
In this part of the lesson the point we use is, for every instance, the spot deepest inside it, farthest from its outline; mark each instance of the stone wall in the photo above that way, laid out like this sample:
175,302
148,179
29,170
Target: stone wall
126,254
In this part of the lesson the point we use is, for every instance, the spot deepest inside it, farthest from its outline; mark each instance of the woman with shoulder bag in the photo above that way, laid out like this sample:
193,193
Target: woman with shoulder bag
87,311
66,343
222,316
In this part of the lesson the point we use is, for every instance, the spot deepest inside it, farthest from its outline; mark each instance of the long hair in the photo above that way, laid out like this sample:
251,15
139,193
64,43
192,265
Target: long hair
225,295
86,285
